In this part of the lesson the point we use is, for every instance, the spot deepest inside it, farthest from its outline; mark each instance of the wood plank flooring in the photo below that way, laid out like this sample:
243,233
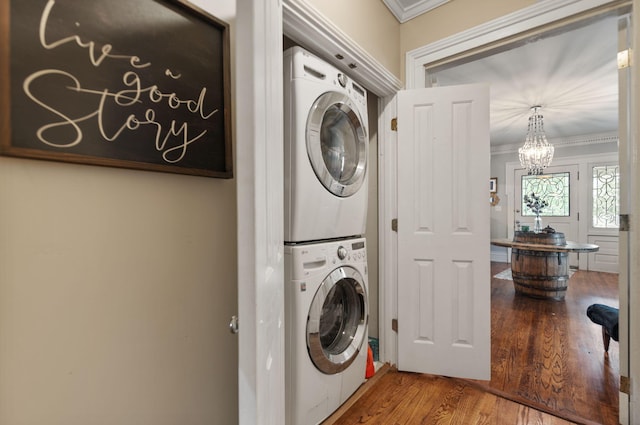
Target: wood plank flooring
548,367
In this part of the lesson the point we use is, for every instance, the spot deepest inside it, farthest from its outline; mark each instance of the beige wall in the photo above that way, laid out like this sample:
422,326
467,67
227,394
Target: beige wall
116,289
370,24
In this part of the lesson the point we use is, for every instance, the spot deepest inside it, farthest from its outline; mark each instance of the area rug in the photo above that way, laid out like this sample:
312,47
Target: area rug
506,275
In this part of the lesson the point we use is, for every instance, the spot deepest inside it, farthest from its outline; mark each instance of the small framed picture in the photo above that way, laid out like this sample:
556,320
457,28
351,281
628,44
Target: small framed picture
493,184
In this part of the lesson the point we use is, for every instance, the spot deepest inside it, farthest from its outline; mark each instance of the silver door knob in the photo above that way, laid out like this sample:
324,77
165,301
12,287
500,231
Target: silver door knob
233,325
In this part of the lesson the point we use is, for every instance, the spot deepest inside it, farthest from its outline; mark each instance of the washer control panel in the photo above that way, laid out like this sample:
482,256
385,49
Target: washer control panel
342,80
310,259
350,251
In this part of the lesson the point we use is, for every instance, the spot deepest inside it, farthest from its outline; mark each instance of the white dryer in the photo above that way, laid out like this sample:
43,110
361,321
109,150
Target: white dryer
326,147
326,315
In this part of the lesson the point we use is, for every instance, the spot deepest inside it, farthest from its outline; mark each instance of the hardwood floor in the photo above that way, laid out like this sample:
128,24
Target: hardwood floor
548,367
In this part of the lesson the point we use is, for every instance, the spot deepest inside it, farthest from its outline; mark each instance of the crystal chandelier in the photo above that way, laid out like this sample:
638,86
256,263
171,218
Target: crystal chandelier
537,153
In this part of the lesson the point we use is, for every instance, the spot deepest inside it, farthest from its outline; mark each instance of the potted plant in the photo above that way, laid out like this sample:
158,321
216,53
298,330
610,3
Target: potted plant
536,205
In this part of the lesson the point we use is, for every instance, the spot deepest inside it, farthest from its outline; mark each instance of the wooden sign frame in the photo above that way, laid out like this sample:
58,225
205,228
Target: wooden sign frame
141,85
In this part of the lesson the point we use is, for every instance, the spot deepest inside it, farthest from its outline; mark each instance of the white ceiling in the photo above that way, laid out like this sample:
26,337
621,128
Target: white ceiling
572,75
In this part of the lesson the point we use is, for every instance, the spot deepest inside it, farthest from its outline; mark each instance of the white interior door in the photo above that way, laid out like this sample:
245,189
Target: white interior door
551,188
444,275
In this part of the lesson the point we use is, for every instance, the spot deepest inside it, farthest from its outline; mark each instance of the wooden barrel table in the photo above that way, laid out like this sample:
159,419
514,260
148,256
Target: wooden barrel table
540,274
540,263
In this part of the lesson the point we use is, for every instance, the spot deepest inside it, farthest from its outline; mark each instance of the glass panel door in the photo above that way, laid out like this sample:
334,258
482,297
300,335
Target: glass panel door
558,186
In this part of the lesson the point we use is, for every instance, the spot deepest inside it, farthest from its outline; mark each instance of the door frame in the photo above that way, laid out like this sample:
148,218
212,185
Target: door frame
260,192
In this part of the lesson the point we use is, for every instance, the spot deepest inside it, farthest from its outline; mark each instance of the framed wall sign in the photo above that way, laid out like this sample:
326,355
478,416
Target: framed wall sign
493,184
142,85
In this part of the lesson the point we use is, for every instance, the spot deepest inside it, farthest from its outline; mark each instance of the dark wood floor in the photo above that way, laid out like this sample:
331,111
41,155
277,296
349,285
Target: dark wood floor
548,367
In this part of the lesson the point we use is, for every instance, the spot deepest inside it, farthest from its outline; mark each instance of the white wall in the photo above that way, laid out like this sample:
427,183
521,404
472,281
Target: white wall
116,289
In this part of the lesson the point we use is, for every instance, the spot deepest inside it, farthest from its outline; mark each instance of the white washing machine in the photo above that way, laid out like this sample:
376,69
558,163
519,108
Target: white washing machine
326,315
326,146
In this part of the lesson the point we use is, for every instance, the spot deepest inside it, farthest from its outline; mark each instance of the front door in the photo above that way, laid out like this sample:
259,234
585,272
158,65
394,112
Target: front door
559,187
444,279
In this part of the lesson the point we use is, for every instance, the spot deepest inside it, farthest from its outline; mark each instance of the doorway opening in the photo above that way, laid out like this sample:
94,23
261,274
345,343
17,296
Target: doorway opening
509,70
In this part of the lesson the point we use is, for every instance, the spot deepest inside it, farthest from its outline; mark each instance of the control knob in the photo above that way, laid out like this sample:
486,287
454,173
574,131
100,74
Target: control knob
342,79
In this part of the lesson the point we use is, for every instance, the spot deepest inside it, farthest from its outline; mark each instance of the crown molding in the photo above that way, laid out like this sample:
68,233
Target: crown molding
403,13
584,140
305,25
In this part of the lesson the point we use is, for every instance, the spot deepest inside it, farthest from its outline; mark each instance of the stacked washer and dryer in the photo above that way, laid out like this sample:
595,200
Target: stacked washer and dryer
326,314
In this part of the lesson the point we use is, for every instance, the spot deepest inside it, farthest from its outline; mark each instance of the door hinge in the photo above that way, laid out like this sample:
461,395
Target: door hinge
394,325
624,223
578,214
625,385
394,224
624,59
394,124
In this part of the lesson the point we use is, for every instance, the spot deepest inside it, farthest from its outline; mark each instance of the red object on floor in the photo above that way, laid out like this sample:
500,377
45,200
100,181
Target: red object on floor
371,370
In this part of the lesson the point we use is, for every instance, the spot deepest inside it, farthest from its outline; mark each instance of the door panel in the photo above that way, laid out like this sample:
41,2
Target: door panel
606,258
443,231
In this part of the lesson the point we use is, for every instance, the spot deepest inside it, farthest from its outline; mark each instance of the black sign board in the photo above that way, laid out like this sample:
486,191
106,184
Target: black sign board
138,84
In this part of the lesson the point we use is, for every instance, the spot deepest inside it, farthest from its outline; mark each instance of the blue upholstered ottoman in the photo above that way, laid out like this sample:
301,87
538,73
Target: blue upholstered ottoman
607,317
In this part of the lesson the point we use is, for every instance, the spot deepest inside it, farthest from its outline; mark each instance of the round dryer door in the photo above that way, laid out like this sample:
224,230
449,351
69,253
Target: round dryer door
337,143
337,321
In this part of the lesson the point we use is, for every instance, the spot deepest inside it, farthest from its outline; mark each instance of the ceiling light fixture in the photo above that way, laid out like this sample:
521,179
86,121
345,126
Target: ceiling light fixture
537,153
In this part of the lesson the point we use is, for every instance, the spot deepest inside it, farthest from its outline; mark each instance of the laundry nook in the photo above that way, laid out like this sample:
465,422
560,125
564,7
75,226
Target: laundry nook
326,290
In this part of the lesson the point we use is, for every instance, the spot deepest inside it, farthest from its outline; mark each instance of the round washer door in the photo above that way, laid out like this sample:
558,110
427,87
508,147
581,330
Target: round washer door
337,143
337,321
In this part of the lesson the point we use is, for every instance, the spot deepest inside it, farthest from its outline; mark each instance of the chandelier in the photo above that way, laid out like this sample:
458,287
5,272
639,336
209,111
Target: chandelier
537,153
